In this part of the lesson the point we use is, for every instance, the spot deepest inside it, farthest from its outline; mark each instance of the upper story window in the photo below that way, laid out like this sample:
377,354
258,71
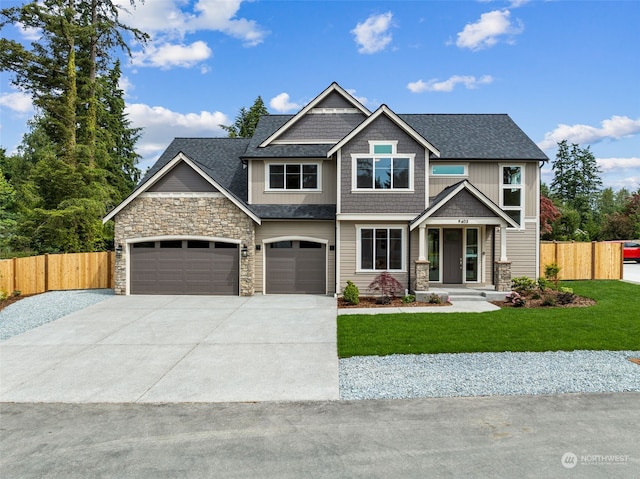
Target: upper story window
293,176
383,168
512,191
449,170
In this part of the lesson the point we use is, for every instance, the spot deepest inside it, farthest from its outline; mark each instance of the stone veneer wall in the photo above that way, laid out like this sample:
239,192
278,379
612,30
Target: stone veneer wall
185,216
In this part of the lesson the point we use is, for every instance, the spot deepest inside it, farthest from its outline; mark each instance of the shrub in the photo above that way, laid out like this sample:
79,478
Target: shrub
515,299
386,285
566,297
566,290
549,300
409,298
552,273
523,285
434,299
3,295
16,292
351,293
544,284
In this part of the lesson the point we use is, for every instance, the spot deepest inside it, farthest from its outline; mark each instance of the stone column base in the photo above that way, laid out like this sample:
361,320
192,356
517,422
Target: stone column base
502,275
422,275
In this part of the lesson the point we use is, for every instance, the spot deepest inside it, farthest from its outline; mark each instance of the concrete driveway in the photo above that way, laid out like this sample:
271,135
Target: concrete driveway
178,349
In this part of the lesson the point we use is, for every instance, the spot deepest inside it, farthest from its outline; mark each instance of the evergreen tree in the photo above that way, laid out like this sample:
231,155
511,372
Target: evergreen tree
247,120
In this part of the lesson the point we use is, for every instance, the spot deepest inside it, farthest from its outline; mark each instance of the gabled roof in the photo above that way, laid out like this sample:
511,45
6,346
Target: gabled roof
334,87
475,136
217,160
386,111
449,193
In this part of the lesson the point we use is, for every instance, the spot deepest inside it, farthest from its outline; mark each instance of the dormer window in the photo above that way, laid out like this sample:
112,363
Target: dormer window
383,168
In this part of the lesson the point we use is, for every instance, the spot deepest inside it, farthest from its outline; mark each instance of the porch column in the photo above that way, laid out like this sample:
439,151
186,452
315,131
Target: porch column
422,244
503,243
422,276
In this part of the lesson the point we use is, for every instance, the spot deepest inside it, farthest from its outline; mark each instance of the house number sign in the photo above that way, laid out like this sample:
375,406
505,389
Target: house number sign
463,221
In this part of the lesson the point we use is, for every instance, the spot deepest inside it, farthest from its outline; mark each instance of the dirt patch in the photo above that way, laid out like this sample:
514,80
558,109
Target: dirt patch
370,302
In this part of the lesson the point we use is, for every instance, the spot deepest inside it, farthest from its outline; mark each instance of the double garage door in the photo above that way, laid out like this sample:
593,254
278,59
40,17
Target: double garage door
185,267
296,267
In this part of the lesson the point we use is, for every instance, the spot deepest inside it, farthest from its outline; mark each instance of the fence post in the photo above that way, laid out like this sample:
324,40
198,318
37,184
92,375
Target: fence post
14,274
108,269
593,260
46,272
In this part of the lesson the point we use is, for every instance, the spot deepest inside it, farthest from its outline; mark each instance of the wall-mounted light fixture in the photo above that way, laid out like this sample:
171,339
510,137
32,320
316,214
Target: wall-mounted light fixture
119,250
244,251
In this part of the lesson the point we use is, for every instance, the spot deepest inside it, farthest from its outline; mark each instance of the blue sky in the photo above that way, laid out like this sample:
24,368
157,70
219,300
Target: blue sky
561,69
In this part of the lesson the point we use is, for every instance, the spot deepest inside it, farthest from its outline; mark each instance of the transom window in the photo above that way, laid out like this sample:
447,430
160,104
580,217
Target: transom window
293,176
512,191
383,168
449,170
380,249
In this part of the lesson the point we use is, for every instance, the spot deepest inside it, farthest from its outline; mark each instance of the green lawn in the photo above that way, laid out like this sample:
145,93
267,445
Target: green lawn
612,324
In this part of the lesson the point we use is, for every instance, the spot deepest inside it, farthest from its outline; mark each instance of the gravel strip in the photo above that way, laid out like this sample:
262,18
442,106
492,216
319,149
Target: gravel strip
34,311
487,374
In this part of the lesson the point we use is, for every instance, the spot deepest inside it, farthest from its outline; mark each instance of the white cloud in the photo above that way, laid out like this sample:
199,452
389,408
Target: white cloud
614,128
161,125
29,33
615,164
372,36
487,31
17,101
175,18
361,99
167,55
281,103
469,82
126,86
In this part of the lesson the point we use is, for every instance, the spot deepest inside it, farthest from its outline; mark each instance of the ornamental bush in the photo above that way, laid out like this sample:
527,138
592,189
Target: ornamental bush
351,293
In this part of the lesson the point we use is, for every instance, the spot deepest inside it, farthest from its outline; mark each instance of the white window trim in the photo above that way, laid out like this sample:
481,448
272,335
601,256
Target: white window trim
403,241
392,155
267,165
521,186
463,175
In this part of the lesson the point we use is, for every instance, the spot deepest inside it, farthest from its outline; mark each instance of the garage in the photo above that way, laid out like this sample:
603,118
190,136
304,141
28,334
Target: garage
296,267
184,267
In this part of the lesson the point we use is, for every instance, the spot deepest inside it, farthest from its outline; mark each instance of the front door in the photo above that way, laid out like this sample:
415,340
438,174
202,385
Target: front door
452,252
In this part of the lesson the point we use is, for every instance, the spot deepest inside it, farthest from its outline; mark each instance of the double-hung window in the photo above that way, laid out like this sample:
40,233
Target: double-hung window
382,168
380,249
293,176
512,191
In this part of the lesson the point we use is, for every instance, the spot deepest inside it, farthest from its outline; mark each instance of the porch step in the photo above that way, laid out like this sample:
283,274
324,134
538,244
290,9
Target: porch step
461,294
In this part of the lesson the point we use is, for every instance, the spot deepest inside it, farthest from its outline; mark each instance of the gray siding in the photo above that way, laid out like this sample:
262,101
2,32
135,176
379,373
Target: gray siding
521,251
261,197
464,204
182,179
323,127
383,202
334,100
313,229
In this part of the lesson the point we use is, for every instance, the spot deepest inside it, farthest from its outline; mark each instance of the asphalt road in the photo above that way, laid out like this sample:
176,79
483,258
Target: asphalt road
570,435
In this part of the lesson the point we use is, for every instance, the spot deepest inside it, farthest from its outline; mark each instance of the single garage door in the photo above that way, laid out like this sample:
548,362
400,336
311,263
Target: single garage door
296,267
184,267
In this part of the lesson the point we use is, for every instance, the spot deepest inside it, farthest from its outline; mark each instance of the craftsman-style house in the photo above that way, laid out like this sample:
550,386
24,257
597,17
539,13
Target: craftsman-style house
334,193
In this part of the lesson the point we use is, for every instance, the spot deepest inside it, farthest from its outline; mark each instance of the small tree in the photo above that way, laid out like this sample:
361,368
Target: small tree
351,293
552,273
386,285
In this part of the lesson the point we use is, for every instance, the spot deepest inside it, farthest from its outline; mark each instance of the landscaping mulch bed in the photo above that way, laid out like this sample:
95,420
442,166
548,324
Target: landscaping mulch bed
370,302
578,302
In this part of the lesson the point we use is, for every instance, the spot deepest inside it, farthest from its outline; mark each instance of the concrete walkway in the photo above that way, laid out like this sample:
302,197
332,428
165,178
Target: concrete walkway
178,349
456,307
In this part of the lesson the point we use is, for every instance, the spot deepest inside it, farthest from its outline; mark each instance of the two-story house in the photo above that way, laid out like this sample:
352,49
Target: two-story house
334,193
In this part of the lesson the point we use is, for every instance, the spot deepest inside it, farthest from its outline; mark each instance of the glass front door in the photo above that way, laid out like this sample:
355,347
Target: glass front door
471,255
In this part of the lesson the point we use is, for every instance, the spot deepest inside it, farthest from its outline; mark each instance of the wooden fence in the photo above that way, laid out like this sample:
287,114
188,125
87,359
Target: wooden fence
51,272
583,260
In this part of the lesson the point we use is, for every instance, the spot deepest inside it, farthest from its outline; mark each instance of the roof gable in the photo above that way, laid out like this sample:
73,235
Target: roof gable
451,202
326,102
160,174
384,110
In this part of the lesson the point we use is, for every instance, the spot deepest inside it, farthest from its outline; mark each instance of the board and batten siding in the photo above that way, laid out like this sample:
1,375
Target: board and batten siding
348,260
324,230
259,195
485,175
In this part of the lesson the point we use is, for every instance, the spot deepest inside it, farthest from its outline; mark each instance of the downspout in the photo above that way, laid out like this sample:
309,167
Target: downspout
409,258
